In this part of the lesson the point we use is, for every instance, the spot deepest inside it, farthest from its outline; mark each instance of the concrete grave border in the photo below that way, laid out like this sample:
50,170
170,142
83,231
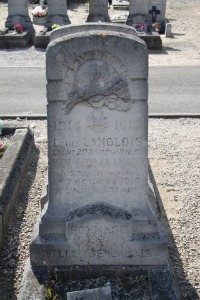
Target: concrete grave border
13,166
9,40
161,282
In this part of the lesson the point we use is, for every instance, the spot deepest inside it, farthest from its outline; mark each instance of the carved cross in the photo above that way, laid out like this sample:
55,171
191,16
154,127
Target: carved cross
153,12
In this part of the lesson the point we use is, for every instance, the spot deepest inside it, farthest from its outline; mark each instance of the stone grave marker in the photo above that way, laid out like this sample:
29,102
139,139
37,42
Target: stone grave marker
99,213
98,11
18,14
92,294
57,13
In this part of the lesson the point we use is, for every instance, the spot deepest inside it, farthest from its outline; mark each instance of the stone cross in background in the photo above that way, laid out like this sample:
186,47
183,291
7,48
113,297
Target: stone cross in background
99,213
57,13
98,11
153,12
18,14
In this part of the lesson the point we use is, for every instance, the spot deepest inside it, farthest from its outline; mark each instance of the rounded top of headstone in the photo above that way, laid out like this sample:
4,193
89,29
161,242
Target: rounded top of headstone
82,65
72,29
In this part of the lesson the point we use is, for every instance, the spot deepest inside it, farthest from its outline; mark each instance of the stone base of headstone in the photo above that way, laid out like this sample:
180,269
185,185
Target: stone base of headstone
56,19
10,40
153,40
42,38
24,21
98,18
56,251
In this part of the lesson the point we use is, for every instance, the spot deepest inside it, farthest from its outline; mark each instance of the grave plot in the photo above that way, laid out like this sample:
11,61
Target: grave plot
148,18
57,16
18,31
101,217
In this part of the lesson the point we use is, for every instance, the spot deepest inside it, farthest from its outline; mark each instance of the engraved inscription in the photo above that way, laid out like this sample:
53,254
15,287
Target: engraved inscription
64,254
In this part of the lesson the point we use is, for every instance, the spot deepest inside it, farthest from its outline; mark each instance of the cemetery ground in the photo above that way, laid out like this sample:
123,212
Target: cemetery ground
175,162
174,158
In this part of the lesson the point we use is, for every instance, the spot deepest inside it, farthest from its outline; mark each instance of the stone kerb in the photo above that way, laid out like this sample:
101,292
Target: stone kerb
72,29
18,14
98,165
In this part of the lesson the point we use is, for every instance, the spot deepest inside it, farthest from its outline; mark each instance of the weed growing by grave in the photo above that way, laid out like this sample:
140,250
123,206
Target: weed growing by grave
3,147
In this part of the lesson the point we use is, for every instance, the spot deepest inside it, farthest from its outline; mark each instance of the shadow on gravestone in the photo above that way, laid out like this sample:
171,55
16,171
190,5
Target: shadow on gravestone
99,215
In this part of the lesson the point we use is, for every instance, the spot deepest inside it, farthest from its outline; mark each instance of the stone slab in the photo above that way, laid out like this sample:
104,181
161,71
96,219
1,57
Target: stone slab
103,293
9,40
100,27
13,168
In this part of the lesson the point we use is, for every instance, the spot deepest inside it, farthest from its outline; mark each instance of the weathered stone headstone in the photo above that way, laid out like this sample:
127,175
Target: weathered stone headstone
92,294
168,30
57,13
98,11
150,11
18,14
98,211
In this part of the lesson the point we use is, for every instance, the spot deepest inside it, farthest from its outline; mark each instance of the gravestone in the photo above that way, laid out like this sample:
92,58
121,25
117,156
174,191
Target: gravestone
168,30
149,11
57,13
92,294
98,11
99,213
18,14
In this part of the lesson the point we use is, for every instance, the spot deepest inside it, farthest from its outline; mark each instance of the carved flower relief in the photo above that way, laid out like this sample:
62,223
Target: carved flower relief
98,84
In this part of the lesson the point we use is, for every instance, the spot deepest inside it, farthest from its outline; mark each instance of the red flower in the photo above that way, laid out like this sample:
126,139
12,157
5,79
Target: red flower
2,147
18,28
